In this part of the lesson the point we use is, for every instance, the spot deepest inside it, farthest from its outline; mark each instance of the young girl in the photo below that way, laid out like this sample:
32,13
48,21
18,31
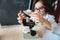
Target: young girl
41,12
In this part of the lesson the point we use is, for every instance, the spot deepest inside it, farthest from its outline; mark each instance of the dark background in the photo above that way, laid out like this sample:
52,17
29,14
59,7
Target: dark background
9,10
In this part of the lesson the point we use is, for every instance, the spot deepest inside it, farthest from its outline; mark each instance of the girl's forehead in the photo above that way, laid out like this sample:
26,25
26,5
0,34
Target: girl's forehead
39,4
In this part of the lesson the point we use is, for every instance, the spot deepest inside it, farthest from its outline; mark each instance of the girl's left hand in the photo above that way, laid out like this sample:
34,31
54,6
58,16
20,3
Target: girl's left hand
37,16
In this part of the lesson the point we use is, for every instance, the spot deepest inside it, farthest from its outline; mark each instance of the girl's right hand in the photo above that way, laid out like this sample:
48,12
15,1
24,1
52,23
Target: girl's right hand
20,17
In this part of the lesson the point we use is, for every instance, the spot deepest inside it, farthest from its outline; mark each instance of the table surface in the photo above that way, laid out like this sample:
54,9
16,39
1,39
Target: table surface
25,36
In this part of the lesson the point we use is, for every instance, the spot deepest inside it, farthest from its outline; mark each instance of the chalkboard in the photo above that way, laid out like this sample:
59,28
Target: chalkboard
9,10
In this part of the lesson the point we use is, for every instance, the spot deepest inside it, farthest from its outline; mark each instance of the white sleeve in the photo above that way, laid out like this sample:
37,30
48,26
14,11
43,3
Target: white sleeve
52,21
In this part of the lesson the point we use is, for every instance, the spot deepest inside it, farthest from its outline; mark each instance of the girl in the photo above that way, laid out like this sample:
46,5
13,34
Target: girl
41,12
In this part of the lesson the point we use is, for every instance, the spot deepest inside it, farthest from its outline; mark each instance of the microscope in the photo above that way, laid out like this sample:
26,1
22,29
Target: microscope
30,23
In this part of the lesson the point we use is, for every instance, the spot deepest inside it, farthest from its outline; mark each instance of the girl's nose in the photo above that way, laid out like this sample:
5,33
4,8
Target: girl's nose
37,10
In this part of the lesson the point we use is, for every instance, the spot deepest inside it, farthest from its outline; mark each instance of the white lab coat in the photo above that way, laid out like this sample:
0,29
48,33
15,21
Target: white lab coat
50,35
